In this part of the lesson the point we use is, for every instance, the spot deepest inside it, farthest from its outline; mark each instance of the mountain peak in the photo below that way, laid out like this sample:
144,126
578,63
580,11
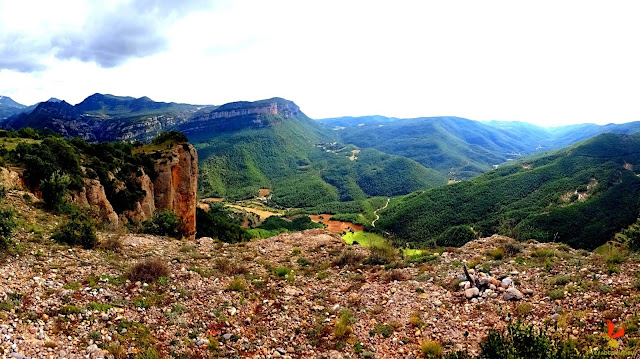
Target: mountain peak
6,101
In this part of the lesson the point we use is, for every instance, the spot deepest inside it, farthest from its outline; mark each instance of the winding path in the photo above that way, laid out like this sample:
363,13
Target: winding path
373,223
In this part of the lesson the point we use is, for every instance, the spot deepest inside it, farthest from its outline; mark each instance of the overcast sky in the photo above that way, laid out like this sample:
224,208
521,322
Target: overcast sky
546,62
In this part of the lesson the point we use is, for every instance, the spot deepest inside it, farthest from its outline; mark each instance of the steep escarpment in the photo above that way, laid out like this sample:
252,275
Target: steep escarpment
237,116
121,183
173,189
176,184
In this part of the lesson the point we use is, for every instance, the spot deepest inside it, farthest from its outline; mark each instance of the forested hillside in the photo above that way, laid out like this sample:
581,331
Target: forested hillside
461,148
300,160
581,195
456,147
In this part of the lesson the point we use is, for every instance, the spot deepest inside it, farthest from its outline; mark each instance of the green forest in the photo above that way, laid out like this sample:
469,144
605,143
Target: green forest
581,195
302,163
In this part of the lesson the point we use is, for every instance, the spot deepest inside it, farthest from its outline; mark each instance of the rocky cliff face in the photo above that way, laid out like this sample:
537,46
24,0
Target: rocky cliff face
174,189
10,179
238,116
176,185
93,194
146,207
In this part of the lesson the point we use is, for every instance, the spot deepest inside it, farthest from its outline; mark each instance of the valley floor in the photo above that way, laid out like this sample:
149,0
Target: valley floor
287,296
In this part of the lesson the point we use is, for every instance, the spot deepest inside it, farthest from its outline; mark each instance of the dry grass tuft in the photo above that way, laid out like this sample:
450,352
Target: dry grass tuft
148,270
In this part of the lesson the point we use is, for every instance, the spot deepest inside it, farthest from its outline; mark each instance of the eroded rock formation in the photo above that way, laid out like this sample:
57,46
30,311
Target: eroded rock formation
176,184
145,208
92,194
11,179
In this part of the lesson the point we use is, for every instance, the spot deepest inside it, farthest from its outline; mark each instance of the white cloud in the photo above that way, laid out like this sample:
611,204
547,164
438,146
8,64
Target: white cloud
547,62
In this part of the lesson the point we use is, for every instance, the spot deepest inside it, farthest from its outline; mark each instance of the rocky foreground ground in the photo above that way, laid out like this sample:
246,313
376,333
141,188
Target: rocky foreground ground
299,295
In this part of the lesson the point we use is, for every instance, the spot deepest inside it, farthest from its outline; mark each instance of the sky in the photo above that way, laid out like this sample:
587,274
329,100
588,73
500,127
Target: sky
545,62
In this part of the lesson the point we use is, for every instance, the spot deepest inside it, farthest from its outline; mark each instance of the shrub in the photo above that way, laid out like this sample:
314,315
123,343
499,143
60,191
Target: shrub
382,329
496,254
523,308
102,307
431,349
347,257
165,223
395,275
113,243
561,280
237,285
511,249
228,267
556,294
78,231
456,236
6,305
303,261
543,253
148,270
343,325
416,319
524,342
7,225
54,190
70,309
173,136
282,271
633,237
615,256
381,255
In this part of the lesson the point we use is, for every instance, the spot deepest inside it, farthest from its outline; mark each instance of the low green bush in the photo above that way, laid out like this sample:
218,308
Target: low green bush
54,190
7,225
78,231
218,223
520,341
165,223
456,236
173,136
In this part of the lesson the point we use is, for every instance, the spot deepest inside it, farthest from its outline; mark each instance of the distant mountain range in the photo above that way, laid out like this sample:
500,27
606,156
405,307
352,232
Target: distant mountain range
8,107
462,148
245,146
102,117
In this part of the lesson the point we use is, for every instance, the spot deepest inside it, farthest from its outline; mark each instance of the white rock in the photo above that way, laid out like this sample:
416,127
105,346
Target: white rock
512,294
472,292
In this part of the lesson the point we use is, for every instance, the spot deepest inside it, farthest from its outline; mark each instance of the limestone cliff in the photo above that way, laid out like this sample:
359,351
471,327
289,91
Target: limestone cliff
176,184
173,189
237,116
145,207
92,194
